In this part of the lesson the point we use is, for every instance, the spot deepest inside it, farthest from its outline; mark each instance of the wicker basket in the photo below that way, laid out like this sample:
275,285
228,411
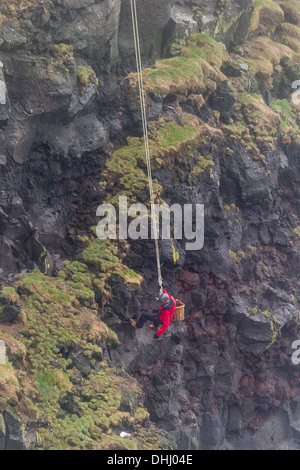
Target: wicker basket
179,311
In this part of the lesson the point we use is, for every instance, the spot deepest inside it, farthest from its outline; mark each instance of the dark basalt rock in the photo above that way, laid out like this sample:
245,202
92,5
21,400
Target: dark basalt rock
9,314
17,435
223,100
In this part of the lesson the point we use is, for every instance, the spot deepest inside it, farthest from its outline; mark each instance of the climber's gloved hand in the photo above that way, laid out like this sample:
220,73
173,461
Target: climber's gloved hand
155,336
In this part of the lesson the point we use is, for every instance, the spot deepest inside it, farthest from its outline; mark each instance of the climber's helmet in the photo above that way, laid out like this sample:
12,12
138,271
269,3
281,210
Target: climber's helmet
164,298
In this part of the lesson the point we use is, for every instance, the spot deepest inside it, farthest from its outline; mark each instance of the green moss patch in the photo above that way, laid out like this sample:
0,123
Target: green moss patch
11,7
11,293
256,126
104,258
291,11
62,51
170,144
288,128
85,75
9,386
202,164
289,35
196,70
248,251
264,55
267,14
58,376
53,307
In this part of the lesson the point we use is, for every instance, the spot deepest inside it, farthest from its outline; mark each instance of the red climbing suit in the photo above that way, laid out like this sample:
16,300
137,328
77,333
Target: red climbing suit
166,314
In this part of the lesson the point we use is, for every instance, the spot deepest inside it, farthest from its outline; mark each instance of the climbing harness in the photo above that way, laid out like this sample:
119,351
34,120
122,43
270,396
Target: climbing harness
145,132
179,311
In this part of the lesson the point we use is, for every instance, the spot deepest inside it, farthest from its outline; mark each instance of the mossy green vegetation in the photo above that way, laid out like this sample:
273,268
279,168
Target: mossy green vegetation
10,389
169,144
256,126
63,52
126,170
261,120
231,214
237,257
297,231
11,7
10,292
267,14
275,327
53,303
248,251
254,129
289,35
263,56
288,128
202,164
103,259
55,372
172,146
196,70
291,11
275,324
254,311
259,126
85,75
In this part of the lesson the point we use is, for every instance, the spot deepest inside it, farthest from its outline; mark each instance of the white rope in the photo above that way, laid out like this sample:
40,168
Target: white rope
145,130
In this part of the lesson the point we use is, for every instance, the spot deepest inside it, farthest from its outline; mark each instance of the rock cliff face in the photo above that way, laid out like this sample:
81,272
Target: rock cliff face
221,90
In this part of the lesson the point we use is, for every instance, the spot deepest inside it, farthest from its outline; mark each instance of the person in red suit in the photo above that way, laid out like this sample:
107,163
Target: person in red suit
160,318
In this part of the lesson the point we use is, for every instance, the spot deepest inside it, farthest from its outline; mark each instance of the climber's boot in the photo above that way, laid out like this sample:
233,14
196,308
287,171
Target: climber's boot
155,328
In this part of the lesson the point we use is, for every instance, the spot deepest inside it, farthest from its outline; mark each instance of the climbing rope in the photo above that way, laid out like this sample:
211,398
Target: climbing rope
145,132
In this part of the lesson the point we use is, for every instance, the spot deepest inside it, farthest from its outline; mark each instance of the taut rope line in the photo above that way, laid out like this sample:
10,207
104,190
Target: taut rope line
145,131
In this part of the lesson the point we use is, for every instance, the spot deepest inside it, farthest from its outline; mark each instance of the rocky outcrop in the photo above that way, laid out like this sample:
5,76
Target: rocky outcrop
15,436
172,22
51,72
